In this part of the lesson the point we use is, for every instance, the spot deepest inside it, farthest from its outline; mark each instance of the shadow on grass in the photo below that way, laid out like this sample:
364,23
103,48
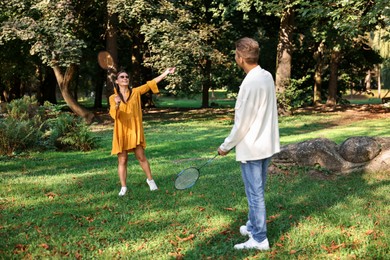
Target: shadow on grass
67,205
82,214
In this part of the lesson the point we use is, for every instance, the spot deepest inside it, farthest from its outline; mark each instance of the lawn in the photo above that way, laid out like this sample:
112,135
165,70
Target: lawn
66,205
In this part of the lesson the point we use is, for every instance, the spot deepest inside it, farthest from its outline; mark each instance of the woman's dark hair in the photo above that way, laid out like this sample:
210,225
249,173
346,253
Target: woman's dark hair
117,87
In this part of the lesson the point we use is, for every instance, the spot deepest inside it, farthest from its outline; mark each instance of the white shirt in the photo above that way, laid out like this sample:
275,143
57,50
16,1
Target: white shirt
255,133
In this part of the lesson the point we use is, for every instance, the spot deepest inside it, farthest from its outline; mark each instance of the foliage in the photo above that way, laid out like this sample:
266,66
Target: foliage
182,34
67,132
49,26
295,95
196,36
22,128
16,136
29,126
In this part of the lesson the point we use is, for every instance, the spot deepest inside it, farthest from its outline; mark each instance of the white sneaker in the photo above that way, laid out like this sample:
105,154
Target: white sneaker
244,231
152,184
123,191
253,244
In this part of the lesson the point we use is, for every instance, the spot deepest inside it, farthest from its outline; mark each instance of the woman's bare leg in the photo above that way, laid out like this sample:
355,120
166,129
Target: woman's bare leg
143,161
122,167
140,155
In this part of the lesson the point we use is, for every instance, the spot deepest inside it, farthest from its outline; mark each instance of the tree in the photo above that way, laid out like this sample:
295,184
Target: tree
339,25
51,31
191,37
379,40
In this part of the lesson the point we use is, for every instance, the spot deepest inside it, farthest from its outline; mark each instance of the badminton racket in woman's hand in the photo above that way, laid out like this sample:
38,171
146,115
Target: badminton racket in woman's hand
106,61
188,177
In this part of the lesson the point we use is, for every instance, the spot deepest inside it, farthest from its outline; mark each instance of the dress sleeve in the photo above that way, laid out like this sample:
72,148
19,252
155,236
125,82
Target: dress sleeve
113,110
150,85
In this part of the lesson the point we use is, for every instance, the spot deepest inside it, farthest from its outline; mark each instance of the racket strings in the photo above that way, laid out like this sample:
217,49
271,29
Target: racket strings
187,178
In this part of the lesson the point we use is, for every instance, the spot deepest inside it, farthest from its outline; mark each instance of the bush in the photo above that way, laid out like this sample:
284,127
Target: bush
22,128
295,95
67,132
16,136
28,126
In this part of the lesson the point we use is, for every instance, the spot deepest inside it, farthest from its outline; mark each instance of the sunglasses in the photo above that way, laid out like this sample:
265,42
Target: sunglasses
122,77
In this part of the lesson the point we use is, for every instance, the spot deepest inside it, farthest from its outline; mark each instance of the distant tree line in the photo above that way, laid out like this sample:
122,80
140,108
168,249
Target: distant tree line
315,49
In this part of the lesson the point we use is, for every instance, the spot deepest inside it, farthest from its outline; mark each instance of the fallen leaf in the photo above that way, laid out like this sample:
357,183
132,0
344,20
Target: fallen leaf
186,238
89,219
45,246
141,246
51,195
177,256
292,252
37,229
230,209
19,248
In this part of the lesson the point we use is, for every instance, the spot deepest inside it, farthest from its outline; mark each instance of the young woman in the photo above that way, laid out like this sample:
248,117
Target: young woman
128,136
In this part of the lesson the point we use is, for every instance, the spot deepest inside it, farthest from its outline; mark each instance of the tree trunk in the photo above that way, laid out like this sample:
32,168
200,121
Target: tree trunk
284,56
206,84
367,81
379,80
99,88
48,86
319,58
136,61
64,83
332,88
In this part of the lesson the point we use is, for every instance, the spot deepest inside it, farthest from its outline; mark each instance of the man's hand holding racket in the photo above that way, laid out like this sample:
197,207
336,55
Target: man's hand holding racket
222,152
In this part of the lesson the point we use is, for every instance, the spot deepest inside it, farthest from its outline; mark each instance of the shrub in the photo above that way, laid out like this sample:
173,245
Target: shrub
67,132
16,136
295,95
22,127
28,126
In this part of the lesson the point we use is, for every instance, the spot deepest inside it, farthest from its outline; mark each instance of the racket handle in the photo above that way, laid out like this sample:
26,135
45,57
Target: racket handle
209,161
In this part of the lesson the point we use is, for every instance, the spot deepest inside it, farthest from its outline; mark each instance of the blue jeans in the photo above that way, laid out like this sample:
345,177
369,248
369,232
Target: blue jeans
254,175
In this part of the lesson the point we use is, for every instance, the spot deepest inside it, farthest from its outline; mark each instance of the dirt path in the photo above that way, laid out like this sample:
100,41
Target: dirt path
347,114
351,113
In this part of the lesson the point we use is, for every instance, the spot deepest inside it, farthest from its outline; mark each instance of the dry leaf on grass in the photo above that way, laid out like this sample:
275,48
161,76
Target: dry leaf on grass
190,237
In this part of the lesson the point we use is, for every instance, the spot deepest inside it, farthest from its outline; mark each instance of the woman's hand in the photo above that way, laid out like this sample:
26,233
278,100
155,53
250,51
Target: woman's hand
117,100
170,70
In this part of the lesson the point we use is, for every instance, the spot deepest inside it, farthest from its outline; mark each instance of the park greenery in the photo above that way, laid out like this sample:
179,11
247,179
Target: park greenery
58,181
316,50
65,204
28,126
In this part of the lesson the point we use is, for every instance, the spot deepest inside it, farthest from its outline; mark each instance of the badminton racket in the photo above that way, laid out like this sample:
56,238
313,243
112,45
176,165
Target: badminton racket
106,61
189,176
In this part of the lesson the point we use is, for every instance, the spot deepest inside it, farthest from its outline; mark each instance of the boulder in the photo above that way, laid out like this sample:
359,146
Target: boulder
359,149
354,154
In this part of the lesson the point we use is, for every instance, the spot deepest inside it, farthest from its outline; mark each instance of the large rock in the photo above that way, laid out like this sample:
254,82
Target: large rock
359,149
357,153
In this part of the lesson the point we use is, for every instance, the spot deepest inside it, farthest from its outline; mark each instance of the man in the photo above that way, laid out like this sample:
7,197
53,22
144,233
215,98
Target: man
255,135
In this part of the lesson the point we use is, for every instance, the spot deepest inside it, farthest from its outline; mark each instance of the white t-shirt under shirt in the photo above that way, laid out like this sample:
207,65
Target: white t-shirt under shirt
255,133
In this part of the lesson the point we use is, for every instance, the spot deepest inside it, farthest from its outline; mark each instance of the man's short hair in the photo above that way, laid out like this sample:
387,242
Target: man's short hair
248,49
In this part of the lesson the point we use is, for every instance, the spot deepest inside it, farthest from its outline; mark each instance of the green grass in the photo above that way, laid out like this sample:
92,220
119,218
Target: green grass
66,205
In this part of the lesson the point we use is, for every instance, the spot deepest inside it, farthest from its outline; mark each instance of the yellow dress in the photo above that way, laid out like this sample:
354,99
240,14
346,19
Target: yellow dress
128,128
